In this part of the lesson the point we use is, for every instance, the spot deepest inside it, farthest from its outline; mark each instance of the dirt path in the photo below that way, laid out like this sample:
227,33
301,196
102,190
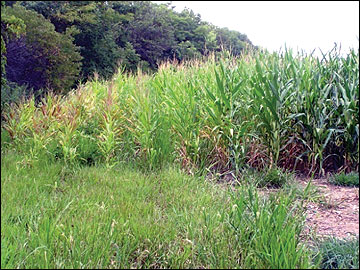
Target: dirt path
336,213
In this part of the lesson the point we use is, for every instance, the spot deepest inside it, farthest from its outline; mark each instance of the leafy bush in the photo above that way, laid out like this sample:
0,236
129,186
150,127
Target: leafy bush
342,179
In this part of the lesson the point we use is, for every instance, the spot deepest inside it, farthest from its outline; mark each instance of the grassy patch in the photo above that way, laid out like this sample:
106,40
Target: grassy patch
56,216
270,228
274,178
339,254
342,179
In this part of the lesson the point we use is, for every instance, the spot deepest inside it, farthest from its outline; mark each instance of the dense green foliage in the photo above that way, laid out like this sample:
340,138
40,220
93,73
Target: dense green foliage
263,111
11,27
13,93
103,35
53,54
95,178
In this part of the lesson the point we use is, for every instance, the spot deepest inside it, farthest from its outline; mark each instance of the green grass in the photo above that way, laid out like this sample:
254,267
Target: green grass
339,254
342,179
274,178
271,228
56,216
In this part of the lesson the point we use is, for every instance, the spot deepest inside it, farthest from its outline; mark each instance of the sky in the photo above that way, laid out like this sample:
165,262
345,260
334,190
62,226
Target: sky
301,25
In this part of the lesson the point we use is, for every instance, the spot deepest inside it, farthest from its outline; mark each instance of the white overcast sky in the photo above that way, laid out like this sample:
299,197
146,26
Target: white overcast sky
305,25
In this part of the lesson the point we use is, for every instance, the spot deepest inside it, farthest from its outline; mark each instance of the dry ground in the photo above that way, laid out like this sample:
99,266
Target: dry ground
336,213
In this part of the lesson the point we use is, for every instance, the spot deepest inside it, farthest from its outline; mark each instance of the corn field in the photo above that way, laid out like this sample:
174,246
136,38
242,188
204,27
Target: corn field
261,110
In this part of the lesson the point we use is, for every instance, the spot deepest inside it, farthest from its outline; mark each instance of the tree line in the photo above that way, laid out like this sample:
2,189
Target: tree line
57,44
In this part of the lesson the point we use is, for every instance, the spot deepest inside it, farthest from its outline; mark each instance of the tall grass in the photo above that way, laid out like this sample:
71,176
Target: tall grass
56,216
270,228
260,110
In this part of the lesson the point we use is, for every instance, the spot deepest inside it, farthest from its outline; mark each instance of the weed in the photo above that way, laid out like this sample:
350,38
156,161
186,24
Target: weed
342,179
273,178
338,253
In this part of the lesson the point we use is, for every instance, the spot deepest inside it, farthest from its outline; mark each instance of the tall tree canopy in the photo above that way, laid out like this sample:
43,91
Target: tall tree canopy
41,57
67,41
11,27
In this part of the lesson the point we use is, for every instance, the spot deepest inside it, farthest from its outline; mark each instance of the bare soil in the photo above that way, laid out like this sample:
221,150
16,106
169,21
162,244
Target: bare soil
336,213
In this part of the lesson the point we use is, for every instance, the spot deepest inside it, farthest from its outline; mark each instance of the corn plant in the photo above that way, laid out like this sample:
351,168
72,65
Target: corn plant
19,120
271,97
220,114
183,108
224,109
111,128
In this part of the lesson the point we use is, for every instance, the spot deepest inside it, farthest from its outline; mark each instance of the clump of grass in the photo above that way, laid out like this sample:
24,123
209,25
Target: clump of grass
339,253
308,193
5,139
268,229
351,179
274,178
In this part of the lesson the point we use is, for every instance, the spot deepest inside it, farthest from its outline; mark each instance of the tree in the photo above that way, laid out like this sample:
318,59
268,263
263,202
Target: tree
133,33
98,31
57,58
151,33
232,40
11,26
23,65
205,38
